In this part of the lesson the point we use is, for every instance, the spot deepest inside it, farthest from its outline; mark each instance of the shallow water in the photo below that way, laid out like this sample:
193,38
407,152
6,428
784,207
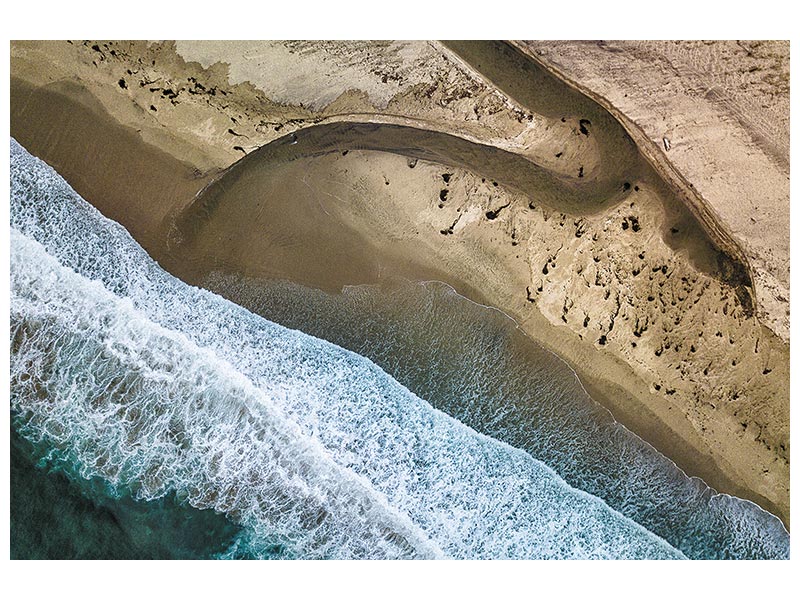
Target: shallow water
135,389
473,363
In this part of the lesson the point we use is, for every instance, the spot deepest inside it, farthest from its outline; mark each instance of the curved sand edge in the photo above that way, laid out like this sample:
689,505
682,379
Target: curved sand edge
713,118
699,206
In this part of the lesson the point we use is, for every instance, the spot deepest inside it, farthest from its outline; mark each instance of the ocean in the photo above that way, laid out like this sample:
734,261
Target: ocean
152,419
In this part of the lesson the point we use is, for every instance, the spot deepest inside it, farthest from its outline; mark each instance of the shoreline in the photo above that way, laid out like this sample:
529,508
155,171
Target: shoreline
599,392
609,381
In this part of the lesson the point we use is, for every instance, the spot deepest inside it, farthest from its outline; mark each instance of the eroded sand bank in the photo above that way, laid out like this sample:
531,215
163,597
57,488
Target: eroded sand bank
719,113
632,290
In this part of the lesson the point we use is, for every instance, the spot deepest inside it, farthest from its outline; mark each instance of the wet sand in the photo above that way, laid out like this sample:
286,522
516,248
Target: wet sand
130,182
295,242
349,214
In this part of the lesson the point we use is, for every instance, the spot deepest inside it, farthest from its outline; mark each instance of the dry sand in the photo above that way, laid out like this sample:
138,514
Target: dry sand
629,285
723,109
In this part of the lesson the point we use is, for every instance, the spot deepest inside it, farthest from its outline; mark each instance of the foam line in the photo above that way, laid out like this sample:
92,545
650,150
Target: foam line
306,444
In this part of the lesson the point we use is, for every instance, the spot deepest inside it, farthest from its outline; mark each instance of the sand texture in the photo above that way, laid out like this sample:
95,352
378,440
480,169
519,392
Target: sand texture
723,109
338,163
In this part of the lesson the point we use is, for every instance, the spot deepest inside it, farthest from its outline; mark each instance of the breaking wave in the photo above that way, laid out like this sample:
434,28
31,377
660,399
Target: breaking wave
475,364
138,386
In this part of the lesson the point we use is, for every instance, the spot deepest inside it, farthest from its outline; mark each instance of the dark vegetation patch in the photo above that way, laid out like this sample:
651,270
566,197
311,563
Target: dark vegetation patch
493,214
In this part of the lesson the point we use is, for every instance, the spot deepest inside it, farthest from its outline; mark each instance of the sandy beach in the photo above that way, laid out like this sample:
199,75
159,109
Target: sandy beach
424,161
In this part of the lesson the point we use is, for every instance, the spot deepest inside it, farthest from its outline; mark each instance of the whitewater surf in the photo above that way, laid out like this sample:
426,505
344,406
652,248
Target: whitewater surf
138,387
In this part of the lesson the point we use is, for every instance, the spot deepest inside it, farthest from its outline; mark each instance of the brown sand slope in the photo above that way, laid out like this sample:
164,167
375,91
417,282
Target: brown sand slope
637,292
723,108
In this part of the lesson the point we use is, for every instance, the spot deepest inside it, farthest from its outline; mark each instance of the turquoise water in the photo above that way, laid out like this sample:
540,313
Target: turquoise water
473,363
54,517
184,425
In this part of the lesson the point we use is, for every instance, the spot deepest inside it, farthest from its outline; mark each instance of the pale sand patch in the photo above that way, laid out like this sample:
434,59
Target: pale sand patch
283,71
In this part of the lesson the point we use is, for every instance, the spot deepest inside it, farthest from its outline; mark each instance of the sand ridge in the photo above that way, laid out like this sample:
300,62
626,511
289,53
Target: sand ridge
717,111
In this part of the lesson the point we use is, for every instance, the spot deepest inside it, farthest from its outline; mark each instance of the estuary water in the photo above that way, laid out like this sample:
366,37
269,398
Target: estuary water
153,419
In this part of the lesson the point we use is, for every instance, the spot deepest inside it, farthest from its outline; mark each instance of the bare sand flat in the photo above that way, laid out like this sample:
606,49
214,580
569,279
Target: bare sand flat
622,279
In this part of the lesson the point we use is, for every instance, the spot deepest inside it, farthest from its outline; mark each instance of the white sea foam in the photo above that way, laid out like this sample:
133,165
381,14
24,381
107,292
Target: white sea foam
472,363
137,379
149,412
